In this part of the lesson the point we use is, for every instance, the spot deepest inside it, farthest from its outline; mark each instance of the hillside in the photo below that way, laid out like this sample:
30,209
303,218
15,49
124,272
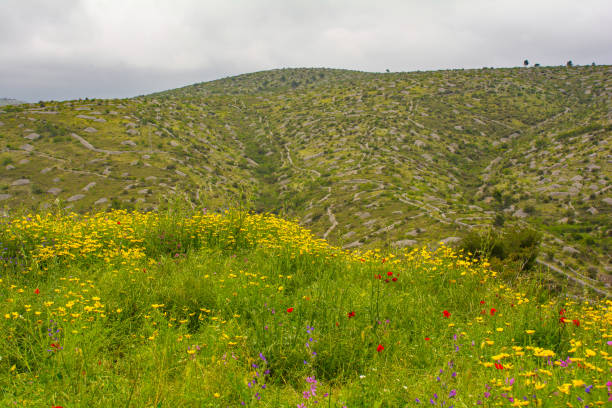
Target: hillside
362,159
184,309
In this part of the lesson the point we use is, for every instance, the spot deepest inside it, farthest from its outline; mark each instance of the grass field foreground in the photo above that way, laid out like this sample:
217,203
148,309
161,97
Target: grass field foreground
240,309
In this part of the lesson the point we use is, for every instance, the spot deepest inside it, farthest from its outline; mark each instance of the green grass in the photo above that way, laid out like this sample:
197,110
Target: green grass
186,315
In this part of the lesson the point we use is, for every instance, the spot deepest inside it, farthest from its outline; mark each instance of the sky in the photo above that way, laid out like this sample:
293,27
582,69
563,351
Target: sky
70,49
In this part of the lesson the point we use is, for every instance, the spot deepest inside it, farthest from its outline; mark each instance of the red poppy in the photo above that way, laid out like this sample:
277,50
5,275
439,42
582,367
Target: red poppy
427,339
378,276
380,348
499,366
482,302
394,279
562,320
483,312
446,314
118,222
389,273
57,406
384,260
576,322
351,314
493,310
37,291
289,310
562,312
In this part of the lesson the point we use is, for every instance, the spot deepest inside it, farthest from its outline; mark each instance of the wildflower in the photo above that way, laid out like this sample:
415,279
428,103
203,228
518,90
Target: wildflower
492,311
482,302
351,314
427,339
389,273
380,348
37,291
446,314
452,393
289,310
576,322
499,366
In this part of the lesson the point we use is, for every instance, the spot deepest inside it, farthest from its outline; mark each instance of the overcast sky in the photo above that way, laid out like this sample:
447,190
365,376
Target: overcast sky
68,49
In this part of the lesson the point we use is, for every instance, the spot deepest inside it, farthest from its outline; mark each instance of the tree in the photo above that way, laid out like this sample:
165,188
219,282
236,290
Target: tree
569,63
526,62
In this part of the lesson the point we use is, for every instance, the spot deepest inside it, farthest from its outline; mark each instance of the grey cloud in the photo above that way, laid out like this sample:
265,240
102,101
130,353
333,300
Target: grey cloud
65,49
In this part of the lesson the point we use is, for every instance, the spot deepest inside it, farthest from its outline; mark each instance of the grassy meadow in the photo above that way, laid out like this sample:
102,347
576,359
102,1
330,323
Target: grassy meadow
231,309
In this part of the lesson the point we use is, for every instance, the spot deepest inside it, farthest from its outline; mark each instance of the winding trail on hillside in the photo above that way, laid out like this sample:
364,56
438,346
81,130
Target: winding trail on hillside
573,278
316,173
91,147
332,219
425,207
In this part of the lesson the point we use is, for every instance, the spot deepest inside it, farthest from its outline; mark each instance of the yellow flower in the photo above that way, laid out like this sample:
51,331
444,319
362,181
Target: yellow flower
578,383
565,388
216,395
529,331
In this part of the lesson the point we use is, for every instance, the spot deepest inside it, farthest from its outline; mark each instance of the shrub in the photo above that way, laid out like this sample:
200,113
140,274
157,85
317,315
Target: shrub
513,249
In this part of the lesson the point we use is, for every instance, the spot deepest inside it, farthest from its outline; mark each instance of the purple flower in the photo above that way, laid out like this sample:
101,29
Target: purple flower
262,357
452,393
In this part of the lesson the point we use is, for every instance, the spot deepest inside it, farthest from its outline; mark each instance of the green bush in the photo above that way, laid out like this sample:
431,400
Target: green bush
513,249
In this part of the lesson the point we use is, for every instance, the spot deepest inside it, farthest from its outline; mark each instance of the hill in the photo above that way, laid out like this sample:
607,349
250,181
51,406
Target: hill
362,159
169,309
9,101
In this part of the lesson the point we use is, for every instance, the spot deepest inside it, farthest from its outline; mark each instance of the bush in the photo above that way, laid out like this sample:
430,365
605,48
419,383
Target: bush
514,249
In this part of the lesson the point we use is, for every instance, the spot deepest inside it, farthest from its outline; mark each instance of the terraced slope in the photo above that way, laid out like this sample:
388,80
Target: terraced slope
362,159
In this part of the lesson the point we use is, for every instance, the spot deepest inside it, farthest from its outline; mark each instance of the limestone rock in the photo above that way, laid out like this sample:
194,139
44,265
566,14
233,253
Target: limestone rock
88,186
75,197
20,182
404,243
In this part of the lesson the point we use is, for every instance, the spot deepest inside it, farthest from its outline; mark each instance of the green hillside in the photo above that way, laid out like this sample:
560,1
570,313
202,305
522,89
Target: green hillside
365,160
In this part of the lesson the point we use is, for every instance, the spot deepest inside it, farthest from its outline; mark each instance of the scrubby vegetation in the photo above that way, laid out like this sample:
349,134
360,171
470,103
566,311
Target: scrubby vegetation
365,160
210,309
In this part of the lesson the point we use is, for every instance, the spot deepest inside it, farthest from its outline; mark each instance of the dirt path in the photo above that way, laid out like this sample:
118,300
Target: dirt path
332,219
573,278
316,173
